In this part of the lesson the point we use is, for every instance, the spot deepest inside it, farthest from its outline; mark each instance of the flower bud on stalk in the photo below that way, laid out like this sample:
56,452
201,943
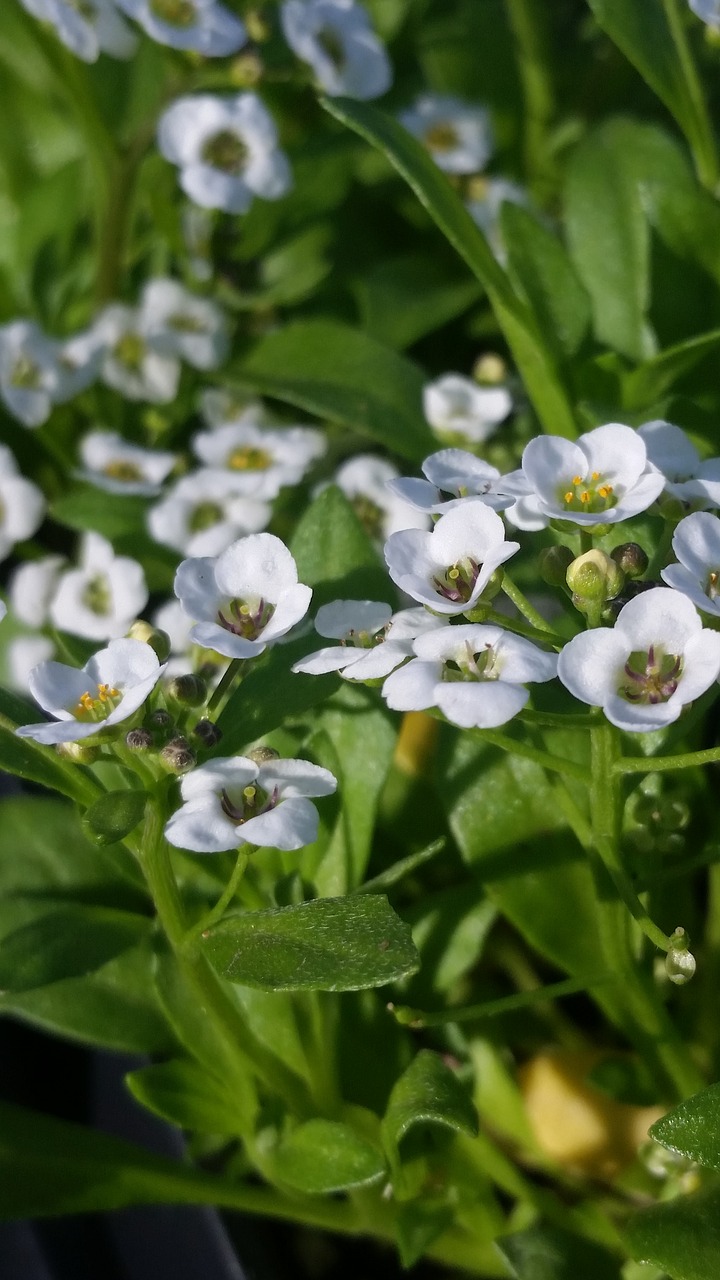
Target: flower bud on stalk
595,577
78,752
631,559
159,641
190,690
139,740
208,733
679,961
178,756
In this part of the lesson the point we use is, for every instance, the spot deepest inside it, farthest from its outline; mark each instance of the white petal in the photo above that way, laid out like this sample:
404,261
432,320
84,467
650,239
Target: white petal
591,665
659,617
482,705
413,687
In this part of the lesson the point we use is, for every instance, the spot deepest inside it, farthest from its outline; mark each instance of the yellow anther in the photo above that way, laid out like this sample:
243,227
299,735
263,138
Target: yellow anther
595,475
584,496
86,702
713,579
577,479
605,490
569,496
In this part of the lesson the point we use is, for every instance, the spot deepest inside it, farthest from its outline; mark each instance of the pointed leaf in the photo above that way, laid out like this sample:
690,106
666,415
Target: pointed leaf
693,1128
427,1093
682,1237
189,1096
323,1156
541,269
549,1253
66,941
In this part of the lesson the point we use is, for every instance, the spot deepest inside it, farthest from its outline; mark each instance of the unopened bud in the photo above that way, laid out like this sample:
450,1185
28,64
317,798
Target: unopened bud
679,962
490,370
553,564
261,755
246,70
78,752
160,722
594,576
188,689
631,559
208,733
256,25
178,756
114,816
159,641
139,740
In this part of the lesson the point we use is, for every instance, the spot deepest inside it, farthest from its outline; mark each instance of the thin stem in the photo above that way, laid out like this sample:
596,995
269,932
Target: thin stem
556,764
217,912
418,1018
551,720
586,541
234,668
660,764
523,605
519,628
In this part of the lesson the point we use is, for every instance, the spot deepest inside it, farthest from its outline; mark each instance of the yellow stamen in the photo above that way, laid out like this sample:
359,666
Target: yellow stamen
577,479
595,475
584,496
86,702
605,490
569,496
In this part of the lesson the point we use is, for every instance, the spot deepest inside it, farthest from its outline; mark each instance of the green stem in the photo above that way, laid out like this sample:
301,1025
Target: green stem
234,668
586,541
386,879
551,720
556,764
659,764
418,1018
523,605
519,628
217,912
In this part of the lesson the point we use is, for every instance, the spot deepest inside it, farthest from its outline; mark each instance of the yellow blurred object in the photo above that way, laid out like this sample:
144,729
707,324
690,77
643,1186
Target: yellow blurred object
415,746
577,1125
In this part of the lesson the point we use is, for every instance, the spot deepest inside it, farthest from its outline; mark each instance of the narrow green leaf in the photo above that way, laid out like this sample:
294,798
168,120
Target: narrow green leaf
653,379
549,1253
693,1128
341,374
331,944
323,1156
427,1093
535,362
35,763
682,1237
66,941
541,269
189,1096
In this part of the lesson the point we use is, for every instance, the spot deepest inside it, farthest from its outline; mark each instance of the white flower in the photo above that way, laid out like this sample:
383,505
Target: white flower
455,473
455,405
118,467
708,10
22,504
601,478
179,323
109,688
696,543
204,512
204,26
226,149
457,134
645,669
228,803
103,597
367,481
219,406
3,609
489,196
32,587
86,27
133,364
336,39
245,599
372,641
474,674
78,363
28,372
260,461
449,568
674,454
23,654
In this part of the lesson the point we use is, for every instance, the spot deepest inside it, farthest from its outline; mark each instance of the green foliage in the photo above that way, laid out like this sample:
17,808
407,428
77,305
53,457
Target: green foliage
549,1253
428,1093
324,1156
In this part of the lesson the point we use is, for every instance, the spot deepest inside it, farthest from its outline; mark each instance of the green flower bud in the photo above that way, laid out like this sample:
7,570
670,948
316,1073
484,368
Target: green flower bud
490,370
261,755
160,722
188,689
553,564
679,962
631,559
139,740
178,756
595,577
208,733
159,641
246,70
78,752
114,816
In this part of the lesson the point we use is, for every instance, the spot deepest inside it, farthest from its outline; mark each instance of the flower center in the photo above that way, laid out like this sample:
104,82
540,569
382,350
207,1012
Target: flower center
121,469
25,374
651,677
370,515
251,801
130,351
249,458
179,13
590,495
458,582
441,136
245,618
332,45
99,706
712,585
204,516
183,322
469,665
226,151
97,596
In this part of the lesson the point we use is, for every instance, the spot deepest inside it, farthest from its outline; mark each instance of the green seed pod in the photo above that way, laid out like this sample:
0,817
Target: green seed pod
114,816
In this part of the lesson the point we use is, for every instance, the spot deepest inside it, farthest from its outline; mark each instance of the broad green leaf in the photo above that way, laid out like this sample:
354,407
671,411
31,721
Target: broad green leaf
86,508
549,1253
449,929
323,1156
35,763
693,1128
541,269
535,361
651,36
342,375
405,298
651,380
271,696
682,1237
66,941
428,1092
189,1096
289,272
331,944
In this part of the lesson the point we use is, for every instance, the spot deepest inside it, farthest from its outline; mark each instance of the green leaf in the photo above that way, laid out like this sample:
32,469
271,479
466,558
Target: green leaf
342,375
65,942
332,944
549,1253
189,1096
693,1128
114,816
35,763
535,361
651,36
541,269
271,696
323,1156
652,380
418,1223
396,311
682,1237
86,508
428,1092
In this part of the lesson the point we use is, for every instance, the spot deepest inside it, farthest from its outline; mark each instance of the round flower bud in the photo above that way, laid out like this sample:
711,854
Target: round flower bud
178,756
261,755
246,70
139,740
490,370
159,641
553,564
679,961
631,559
188,689
594,576
208,733
256,26
160,721
78,752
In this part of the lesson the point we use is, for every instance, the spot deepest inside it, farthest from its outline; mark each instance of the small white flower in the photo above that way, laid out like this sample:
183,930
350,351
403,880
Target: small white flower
179,323
457,134
457,474
22,504
367,481
489,196
226,149
708,10
103,597
231,802
336,39
696,543
449,568
204,26
218,407
674,454
601,478
204,512
134,365
645,669
78,363
455,405
86,27
32,587
118,467
474,674
245,599
109,688
23,654
261,461
28,372
373,641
